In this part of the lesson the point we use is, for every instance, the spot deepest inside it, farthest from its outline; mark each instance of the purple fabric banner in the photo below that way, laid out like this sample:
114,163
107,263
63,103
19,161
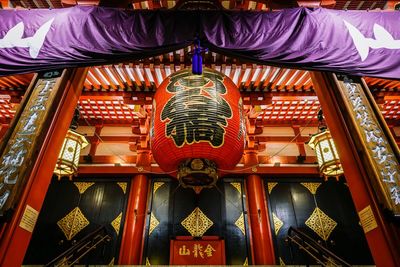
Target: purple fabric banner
353,42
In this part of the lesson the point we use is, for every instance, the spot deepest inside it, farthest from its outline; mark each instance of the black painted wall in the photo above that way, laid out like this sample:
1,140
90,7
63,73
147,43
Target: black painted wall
101,203
170,204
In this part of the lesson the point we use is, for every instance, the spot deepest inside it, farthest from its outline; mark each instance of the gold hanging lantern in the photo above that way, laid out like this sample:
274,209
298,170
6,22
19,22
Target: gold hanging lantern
328,158
68,159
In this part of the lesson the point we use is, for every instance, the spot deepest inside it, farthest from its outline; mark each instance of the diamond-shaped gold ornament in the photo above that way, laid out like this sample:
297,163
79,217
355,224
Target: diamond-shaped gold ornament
321,223
73,223
197,223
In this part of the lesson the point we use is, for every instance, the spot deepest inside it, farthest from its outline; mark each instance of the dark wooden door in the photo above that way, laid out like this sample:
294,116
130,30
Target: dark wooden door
222,206
323,210
71,211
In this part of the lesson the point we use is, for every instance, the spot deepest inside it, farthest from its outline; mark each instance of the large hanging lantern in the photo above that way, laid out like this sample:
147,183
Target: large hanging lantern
328,158
68,159
197,126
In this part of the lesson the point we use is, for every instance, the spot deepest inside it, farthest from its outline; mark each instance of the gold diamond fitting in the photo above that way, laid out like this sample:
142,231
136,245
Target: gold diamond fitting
82,187
153,223
271,186
277,223
197,223
240,224
157,185
321,223
123,187
73,223
237,186
116,223
312,187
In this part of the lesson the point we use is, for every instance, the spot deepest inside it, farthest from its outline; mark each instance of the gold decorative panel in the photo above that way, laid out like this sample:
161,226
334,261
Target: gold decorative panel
73,223
383,163
123,187
116,223
238,187
271,186
83,186
277,223
246,262
147,262
197,223
153,223
23,144
312,187
156,186
321,223
281,262
240,224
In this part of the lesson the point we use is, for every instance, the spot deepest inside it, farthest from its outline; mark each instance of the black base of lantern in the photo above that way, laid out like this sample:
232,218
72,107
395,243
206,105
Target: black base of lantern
195,173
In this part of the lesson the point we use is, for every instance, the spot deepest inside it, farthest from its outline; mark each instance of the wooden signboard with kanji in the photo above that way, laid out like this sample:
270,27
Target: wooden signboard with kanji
189,251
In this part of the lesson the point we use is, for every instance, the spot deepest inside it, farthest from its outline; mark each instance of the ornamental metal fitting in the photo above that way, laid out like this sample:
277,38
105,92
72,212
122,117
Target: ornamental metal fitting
195,173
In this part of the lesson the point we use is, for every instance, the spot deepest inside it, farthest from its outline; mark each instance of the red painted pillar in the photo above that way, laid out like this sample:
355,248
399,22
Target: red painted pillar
381,240
132,237
15,240
259,222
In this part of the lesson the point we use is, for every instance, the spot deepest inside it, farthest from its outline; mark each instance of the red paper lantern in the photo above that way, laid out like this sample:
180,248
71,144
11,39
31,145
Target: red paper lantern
197,125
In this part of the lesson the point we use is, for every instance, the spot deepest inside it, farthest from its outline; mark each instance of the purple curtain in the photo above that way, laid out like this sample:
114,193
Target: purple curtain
353,42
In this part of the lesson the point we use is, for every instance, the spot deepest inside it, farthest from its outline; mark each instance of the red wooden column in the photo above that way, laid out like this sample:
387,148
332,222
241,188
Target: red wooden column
382,239
132,236
15,240
259,222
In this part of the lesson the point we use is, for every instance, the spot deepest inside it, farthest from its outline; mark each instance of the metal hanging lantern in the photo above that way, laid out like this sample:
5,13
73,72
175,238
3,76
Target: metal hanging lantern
328,158
324,146
68,159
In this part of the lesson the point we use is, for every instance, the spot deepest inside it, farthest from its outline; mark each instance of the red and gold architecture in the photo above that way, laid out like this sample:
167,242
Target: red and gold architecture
197,126
269,178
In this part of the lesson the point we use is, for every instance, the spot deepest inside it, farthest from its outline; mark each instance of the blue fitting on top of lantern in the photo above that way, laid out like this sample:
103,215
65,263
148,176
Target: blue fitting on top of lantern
197,58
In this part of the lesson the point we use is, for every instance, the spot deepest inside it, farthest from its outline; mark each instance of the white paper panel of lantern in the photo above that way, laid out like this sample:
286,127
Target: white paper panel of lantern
328,158
68,159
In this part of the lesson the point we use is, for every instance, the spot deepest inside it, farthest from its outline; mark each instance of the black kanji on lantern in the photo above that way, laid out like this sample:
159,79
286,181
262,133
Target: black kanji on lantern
197,112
